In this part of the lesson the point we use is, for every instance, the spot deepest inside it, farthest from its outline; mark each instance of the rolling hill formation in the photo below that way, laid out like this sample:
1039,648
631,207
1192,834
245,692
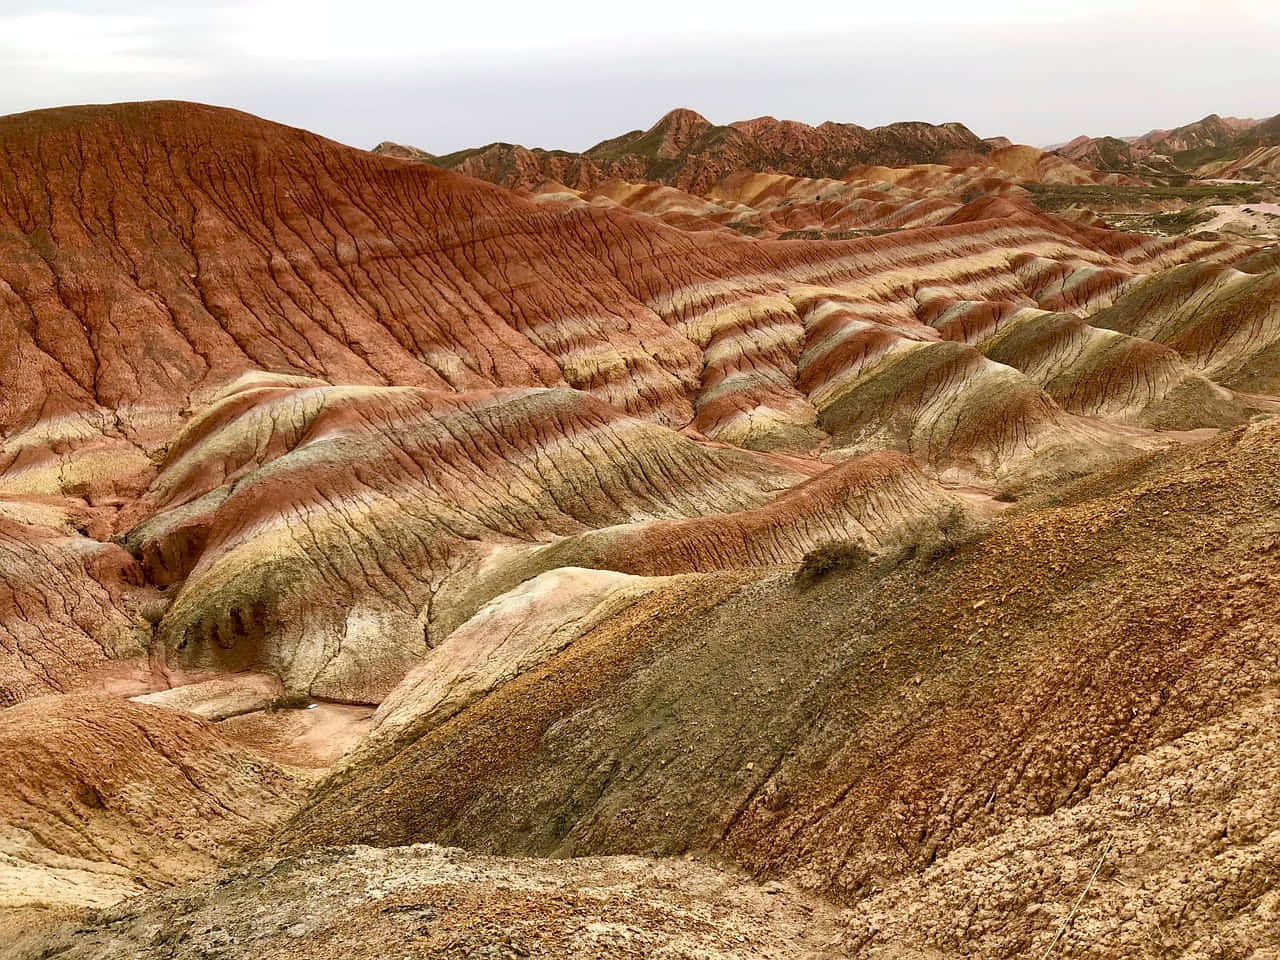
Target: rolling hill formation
757,540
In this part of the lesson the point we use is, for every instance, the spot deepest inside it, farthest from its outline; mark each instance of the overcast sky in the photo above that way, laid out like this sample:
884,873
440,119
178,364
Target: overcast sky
571,73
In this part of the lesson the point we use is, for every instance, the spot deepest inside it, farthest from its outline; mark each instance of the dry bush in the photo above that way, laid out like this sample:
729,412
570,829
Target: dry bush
838,555
931,540
928,540
290,701
952,531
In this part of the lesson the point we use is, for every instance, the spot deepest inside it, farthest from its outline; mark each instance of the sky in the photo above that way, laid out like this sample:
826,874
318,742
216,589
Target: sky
571,73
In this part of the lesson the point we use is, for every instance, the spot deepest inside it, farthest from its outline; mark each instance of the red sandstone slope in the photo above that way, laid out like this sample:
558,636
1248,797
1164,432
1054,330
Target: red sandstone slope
171,247
273,360
69,604
235,244
102,798
868,200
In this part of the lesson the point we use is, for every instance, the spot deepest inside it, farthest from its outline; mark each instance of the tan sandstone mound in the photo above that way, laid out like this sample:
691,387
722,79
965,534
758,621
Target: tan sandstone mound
103,798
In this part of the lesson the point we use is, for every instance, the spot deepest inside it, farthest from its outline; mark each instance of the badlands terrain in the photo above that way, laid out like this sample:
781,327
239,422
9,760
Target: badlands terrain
729,541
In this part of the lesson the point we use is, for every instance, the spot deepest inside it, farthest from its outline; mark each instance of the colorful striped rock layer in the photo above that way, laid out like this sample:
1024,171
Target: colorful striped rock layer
639,515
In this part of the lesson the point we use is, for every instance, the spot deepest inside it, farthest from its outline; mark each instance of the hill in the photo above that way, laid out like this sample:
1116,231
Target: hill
349,499
685,150
1206,143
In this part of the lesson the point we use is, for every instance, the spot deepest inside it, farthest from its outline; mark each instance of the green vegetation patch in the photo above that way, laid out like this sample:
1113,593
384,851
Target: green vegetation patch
1052,197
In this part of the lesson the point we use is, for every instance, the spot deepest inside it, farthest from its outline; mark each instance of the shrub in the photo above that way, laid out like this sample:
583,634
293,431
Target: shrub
838,555
928,541
954,530
289,701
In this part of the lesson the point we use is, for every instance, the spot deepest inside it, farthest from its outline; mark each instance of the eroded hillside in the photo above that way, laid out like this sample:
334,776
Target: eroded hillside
907,571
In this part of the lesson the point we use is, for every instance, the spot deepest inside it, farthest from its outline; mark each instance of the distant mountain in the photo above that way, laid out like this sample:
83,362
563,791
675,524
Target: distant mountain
1211,132
1263,133
1105,153
686,150
1211,140
402,152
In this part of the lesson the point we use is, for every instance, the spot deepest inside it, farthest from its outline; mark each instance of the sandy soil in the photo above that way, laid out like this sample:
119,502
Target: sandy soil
313,736
250,709
1262,219
427,901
